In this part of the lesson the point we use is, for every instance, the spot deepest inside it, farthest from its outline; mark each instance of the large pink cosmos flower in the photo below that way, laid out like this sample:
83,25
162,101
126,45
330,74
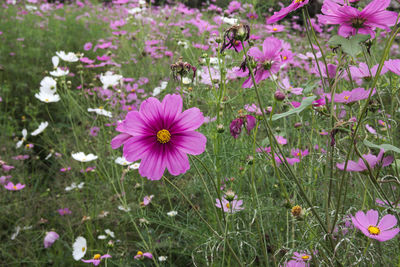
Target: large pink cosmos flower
353,21
161,135
277,16
372,160
368,224
268,61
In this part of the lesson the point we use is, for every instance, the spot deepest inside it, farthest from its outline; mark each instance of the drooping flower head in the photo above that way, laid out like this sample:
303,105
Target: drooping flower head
140,255
369,226
161,135
353,21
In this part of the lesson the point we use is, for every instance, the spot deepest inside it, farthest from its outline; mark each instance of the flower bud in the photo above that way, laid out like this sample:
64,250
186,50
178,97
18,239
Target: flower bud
279,96
220,128
229,195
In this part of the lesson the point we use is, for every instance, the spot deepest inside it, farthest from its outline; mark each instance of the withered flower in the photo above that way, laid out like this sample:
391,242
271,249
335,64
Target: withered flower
236,33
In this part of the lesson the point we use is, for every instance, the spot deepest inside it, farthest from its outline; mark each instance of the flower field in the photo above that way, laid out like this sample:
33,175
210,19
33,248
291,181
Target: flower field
233,133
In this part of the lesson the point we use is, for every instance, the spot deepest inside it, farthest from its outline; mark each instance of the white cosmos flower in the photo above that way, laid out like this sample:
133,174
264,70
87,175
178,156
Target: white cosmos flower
102,237
160,88
172,213
100,111
134,166
70,57
186,80
24,135
16,233
48,156
42,127
126,209
184,44
59,72
135,10
110,233
74,185
110,79
162,258
230,21
122,161
47,95
55,60
48,83
80,156
79,248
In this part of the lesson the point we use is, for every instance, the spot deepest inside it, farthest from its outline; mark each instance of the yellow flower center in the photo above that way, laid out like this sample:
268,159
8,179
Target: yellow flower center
285,57
347,97
47,100
139,253
383,123
96,257
100,107
299,1
83,249
163,136
274,29
374,230
298,154
129,108
305,257
15,187
228,206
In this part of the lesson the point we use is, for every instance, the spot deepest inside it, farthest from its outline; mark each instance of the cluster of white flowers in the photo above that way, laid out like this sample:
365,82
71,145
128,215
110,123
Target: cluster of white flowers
160,88
109,79
47,93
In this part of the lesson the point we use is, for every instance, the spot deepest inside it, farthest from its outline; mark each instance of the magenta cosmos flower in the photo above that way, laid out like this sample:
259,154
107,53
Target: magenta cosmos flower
368,224
10,186
140,255
161,135
372,160
97,259
277,16
268,61
353,21
347,97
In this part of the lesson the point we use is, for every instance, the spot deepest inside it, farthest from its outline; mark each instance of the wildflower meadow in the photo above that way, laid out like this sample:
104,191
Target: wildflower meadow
200,133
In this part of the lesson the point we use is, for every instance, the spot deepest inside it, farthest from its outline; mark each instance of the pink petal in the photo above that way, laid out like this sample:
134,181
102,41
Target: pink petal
189,120
387,222
153,163
172,107
387,235
137,147
372,216
151,112
120,139
177,162
362,219
192,142
255,53
134,124
375,6
271,47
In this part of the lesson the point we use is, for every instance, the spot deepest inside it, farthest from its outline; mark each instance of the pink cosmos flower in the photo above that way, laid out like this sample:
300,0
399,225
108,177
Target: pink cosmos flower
268,61
353,21
64,211
274,28
237,124
383,124
10,186
140,255
146,200
296,4
368,224
372,160
301,257
294,263
347,97
393,65
229,206
50,238
7,168
97,259
88,46
161,135
362,71
298,153
281,140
